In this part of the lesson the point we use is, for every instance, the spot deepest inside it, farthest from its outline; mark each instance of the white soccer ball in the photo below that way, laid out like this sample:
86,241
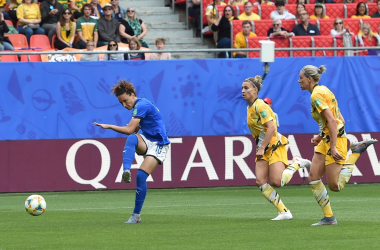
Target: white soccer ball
35,204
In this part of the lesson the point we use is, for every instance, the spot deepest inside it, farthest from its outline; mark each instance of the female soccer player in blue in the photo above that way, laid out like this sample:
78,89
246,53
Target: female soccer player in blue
153,143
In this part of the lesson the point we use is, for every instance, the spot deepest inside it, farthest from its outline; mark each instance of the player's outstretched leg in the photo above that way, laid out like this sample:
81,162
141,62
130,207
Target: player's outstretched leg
322,197
128,156
141,190
272,196
288,173
357,149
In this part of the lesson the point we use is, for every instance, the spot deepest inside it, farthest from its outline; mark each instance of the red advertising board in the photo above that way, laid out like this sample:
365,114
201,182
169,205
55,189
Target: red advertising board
209,161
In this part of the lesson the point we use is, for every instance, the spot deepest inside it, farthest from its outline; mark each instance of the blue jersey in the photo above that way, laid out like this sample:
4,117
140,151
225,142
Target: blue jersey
151,123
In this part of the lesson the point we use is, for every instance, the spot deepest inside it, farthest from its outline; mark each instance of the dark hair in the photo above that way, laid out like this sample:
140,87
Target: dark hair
88,5
246,22
62,20
109,47
232,9
123,87
357,8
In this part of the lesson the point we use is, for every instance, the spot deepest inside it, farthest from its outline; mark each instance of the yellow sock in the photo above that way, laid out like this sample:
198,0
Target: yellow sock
322,197
346,172
273,197
288,173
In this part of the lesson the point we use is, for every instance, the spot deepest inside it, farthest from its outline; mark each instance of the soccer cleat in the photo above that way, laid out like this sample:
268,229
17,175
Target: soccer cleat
361,146
284,216
304,163
135,218
127,176
326,221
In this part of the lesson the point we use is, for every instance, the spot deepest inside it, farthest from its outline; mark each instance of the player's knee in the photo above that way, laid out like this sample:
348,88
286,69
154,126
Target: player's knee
313,177
259,182
132,141
276,183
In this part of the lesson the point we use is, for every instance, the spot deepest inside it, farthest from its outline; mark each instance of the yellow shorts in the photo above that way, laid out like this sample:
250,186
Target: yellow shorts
278,155
324,148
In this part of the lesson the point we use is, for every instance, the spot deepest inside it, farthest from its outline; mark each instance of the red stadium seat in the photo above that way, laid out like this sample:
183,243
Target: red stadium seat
372,8
301,42
253,42
30,58
8,22
325,26
281,43
18,41
291,1
339,1
8,58
261,27
324,42
351,9
266,10
40,41
335,10
178,2
205,3
353,24
339,43
288,24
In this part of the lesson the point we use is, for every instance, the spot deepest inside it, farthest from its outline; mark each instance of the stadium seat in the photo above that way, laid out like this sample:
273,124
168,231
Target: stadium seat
30,58
372,8
374,22
335,10
40,41
290,1
339,43
253,42
205,3
323,41
351,9
179,2
281,43
301,42
339,1
8,22
18,41
288,24
353,24
8,58
325,26
265,11
261,27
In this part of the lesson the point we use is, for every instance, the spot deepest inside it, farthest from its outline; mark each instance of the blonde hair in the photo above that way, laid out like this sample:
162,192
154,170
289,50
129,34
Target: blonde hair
134,15
314,72
256,81
366,25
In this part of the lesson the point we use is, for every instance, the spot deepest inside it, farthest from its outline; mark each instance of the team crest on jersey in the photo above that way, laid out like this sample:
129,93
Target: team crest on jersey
263,114
317,103
134,112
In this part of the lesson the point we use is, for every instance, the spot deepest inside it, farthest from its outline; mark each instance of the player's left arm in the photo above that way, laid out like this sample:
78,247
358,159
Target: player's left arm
132,126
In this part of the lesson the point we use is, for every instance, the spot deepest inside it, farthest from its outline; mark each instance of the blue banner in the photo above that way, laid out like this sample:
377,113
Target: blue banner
195,97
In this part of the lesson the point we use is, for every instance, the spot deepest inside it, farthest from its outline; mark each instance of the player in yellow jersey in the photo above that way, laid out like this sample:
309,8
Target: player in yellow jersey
271,154
331,152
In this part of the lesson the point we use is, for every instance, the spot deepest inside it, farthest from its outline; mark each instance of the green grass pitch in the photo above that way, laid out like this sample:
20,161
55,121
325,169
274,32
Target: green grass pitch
199,218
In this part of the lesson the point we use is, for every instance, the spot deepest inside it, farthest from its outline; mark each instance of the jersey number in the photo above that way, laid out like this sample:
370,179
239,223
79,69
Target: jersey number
158,149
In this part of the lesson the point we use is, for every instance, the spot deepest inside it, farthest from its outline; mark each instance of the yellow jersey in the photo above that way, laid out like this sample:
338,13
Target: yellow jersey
259,114
322,98
252,17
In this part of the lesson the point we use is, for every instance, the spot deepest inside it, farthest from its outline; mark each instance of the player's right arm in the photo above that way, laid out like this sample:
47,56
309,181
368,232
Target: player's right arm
268,136
131,127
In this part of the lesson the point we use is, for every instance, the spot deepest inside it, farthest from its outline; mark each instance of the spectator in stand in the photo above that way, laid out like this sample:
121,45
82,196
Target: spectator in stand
301,2
248,13
264,2
97,10
108,27
278,30
194,8
5,13
133,27
305,28
377,13
281,12
300,7
119,13
103,2
361,11
324,1
29,19
65,30
211,15
339,29
223,26
237,2
348,1
113,46
367,34
87,27
134,44
13,9
240,42
51,11
319,12
76,7
65,3
160,44
90,47
5,44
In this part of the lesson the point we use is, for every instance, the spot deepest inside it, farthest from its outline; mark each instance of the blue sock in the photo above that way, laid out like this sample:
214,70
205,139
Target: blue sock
141,190
129,151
